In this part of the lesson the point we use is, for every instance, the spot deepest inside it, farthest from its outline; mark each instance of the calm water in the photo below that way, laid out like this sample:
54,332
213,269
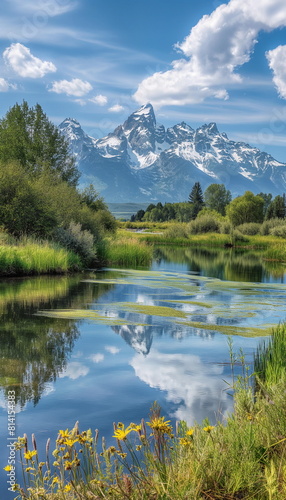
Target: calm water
104,346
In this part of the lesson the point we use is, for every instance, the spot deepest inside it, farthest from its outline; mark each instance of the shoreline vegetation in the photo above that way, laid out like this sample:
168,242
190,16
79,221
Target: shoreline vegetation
241,457
132,244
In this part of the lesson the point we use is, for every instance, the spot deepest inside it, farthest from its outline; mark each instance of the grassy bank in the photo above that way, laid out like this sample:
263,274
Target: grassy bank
126,251
36,258
242,457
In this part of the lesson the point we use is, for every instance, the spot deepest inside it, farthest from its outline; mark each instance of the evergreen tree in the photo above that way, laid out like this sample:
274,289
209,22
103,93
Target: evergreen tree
27,135
196,198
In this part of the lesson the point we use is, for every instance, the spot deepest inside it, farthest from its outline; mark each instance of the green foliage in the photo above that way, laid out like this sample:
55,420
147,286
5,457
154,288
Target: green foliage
196,198
22,209
279,231
277,208
245,208
217,197
176,231
203,224
91,198
269,224
27,136
267,200
77,240
249,228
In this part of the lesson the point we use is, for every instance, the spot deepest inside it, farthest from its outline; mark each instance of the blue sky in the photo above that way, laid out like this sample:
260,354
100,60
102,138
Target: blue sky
97,61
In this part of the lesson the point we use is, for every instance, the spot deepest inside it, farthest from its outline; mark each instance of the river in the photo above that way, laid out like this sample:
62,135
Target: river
101,347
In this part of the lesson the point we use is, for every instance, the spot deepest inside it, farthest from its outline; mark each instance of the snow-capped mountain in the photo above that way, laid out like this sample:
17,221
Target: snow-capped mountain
142,161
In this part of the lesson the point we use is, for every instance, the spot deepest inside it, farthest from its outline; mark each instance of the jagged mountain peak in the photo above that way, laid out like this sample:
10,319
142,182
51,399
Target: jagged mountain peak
142,161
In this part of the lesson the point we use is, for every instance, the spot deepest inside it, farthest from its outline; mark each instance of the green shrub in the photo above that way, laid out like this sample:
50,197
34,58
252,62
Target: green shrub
278,231
203,224
249,228
76,239
225,227
269,224
176,231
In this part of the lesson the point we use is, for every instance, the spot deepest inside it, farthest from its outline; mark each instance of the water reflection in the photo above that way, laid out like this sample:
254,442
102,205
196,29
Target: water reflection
196,389
34,351
225,264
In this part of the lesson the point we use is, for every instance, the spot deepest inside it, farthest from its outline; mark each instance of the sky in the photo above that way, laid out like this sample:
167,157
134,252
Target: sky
199,62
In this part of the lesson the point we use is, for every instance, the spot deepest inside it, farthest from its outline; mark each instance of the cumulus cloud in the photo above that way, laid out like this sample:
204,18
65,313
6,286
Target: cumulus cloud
25,64
101,100
194,387
75,87
211,54
112,349
74,370
116,108
277,62
96,358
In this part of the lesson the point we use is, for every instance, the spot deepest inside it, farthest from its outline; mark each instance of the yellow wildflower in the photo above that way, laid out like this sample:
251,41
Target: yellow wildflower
121,433
138,447
185,442
28,469
159,424
67,487
56,464
30,454
68,465
190,432
8,468
55,480
135,427
64,434
70,442
208,428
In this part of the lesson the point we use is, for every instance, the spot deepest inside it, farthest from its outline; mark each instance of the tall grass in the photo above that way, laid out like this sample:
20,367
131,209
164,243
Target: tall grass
270,359
36,258
128,252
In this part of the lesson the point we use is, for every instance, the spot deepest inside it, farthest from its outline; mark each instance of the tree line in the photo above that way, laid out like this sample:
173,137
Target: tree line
216,198
38,183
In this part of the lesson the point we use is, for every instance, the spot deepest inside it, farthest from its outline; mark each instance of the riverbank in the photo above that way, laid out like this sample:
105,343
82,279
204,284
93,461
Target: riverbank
242,456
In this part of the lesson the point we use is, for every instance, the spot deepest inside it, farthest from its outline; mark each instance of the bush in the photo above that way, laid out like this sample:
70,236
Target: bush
225,227
237,236
269,224
176,231
278,231
249,228
203,224
76,239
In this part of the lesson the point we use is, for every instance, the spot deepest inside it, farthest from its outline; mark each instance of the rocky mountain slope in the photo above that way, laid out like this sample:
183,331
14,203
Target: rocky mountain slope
142,161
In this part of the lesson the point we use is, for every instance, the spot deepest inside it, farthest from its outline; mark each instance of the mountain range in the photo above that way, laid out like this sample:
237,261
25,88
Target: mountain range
142,161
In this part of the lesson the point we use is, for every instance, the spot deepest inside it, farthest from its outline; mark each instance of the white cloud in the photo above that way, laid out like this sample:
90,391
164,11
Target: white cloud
196,388
74,87
5,86
116,108
101,100
212,52
25,64
277,62
112,349
97,358
74,370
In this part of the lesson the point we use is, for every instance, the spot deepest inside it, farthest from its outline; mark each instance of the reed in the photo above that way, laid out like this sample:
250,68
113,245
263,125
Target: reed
128,252
270,359
36,258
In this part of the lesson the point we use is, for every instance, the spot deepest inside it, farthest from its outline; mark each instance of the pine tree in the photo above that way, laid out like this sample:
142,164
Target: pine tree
196,198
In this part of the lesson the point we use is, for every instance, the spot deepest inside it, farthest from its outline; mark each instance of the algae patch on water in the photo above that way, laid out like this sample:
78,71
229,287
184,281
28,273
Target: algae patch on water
86,314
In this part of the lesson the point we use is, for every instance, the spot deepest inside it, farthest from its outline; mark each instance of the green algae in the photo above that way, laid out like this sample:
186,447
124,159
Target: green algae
78,314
